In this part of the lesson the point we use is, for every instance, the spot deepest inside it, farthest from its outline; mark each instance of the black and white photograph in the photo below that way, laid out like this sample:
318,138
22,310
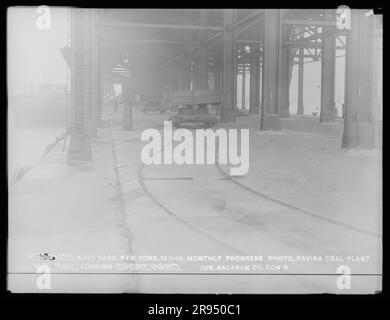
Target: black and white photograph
194,151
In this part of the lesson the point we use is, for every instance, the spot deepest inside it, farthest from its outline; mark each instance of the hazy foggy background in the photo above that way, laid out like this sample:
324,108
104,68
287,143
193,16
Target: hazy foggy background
33,55
36,74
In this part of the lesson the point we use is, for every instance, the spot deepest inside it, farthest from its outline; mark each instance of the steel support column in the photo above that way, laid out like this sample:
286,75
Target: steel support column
172,76
160,79
127,121
301,108
270,119
284,80
174,73
217,72
167,79
100,90
377,81
229,72
203,67
195,73
93,72
260,77
187,74
359,69
243,86
80,31
254,80
328,70
179,76
203,54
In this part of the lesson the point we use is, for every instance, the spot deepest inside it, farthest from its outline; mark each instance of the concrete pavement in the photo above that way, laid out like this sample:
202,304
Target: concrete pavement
117,206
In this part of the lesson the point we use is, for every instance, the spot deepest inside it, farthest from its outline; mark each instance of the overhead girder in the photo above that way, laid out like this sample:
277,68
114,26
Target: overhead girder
147,41
141,30
247,24
304,14
158,16
149,34
181,27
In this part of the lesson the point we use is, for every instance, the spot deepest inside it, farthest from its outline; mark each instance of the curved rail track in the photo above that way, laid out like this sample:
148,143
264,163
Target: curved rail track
245,188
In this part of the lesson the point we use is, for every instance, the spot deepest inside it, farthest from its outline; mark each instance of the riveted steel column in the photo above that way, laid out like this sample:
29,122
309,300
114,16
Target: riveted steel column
284,80
203,53
92,71
270,119
243,85
359,70
203,67
229,56
254,80
328,69
195,73
186,74
301,65
80,32
217,71
127,121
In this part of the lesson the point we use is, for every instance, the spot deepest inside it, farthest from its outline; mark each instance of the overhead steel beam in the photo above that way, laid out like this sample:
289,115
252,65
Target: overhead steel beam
249,41
124,40
159,26
149,51
313,36
303,44
309,22
340,40
252,23
291,43
216,36
209,40
242,21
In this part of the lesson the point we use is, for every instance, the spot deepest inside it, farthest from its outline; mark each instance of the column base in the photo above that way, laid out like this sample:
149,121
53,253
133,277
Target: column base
127,122
228,116
284,113
79,148
360,137
254,110
327,116
127,126
103,123
271,122
362,142
91,129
